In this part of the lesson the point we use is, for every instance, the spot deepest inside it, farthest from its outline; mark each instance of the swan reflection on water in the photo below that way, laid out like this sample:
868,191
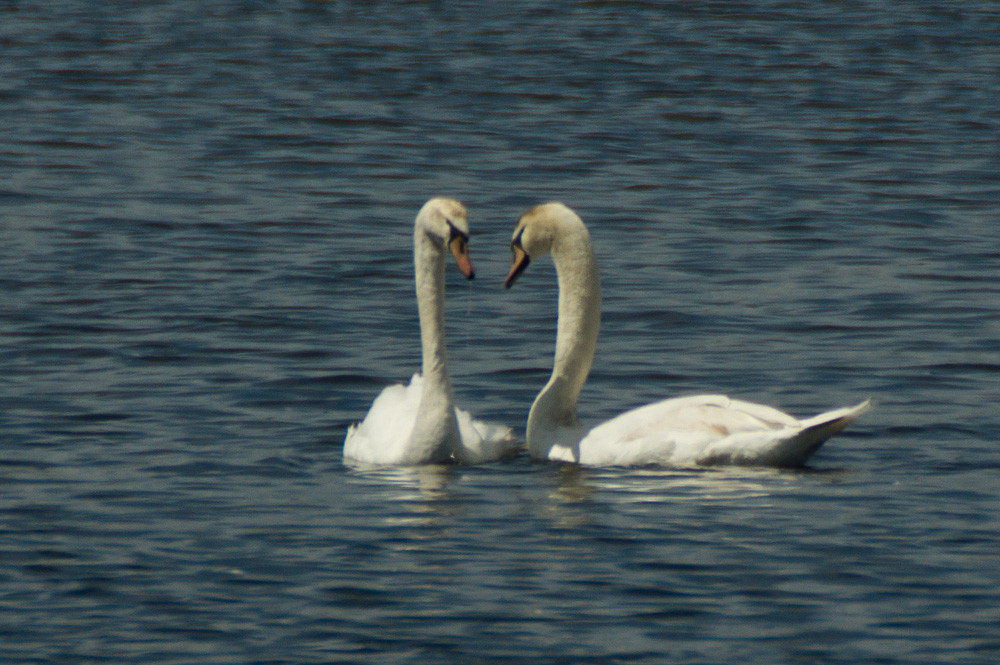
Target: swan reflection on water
405,483
420,493
663,484
428,488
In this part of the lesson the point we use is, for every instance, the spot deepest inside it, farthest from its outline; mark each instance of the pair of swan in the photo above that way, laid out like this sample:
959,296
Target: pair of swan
419,423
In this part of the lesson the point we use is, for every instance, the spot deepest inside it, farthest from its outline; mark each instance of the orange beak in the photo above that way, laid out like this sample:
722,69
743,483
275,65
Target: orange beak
460,250
517,266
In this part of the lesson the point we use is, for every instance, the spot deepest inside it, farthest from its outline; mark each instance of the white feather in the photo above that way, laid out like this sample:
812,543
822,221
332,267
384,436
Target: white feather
383,436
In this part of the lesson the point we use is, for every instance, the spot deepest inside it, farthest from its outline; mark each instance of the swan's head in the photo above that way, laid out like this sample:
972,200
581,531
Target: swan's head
536,234
445,221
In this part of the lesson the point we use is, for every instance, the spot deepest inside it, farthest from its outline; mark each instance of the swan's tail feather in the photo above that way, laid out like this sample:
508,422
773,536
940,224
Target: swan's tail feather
799,448
483,441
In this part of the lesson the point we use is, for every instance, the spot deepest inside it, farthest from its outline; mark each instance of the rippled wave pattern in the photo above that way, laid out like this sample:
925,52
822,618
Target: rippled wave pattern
206,275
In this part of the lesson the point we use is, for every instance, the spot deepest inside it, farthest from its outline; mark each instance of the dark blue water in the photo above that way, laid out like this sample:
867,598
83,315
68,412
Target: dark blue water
205,276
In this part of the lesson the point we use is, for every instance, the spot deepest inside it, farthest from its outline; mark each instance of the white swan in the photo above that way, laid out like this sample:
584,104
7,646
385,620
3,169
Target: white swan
685,431
418,423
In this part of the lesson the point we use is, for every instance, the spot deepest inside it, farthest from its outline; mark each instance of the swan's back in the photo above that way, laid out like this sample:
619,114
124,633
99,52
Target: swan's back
710,430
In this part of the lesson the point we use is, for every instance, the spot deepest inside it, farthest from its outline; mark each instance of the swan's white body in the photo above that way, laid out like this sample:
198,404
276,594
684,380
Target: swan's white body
685,431
418,423
384,436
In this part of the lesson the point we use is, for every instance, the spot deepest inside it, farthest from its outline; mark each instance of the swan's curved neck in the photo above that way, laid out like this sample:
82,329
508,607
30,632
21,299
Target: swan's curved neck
576,339
435,434
428,267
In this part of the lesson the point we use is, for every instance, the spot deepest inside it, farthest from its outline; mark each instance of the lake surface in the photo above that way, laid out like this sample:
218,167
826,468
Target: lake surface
206,276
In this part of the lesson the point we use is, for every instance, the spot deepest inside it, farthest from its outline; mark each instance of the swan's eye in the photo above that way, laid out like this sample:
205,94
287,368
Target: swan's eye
519,259
455,233
516,242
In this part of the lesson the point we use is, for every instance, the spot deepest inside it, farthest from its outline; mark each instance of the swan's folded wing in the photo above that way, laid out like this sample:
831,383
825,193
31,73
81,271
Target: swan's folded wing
709,429
669,432
382,436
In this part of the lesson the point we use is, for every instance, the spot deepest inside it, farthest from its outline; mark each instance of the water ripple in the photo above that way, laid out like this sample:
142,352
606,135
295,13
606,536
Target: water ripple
207,275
